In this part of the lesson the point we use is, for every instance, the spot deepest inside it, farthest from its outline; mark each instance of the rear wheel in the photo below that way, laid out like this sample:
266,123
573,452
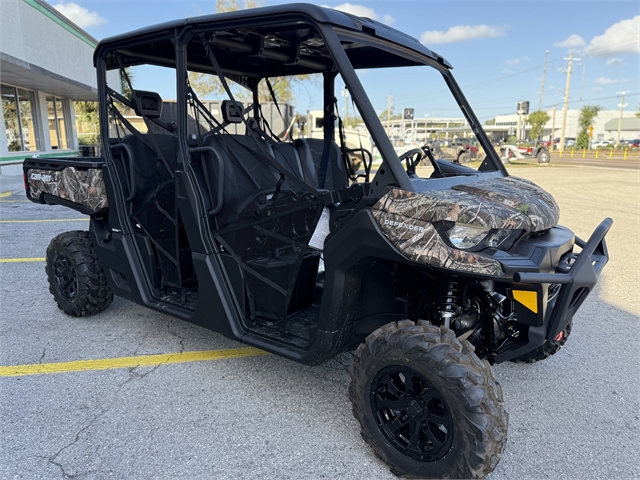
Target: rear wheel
76,279
464,158
550,347
543,156
426,403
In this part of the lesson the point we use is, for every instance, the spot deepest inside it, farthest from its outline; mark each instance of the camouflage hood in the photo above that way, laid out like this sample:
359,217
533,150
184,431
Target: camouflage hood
406,219
508,202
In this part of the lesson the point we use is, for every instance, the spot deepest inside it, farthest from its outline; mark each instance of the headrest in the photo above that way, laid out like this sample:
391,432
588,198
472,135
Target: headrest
232,112
146,104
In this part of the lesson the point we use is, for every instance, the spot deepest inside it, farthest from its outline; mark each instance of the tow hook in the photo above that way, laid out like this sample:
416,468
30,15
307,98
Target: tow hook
559,336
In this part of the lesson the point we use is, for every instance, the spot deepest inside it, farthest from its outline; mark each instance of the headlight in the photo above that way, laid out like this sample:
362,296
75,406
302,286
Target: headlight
466,236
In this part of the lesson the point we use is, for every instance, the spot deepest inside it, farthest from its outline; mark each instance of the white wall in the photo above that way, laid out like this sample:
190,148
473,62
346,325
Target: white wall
28,34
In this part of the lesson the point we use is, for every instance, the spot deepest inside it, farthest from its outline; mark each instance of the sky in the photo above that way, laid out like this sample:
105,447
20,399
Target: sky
497,48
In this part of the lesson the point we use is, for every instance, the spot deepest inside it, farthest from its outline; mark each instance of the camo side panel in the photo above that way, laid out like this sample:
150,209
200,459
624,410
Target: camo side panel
518,194
84,187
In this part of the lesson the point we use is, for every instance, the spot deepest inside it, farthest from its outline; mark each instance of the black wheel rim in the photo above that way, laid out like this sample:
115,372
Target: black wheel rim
65,276
411,413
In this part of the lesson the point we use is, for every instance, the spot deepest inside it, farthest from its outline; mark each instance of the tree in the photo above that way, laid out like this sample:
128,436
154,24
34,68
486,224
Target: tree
353,121
206,85
537,121
233,5
383,116
125,74
88,122
587,114
490,122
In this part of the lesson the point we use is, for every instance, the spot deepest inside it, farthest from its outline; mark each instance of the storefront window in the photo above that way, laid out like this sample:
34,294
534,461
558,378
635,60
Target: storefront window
57,123
26,120
17,108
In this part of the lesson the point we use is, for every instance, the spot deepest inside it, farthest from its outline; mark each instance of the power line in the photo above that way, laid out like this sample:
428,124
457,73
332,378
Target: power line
497,79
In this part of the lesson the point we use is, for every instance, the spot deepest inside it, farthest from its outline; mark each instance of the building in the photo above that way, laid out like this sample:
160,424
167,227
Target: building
46,64
605,125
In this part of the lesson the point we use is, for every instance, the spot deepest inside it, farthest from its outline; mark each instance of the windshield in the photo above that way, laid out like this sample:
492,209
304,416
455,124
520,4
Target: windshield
417,109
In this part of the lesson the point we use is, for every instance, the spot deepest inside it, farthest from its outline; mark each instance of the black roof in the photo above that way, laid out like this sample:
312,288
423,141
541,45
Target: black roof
153,44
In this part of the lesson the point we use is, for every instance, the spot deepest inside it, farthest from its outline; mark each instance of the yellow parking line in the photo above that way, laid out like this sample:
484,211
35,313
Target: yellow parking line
47,220
128,362
19,260
5,194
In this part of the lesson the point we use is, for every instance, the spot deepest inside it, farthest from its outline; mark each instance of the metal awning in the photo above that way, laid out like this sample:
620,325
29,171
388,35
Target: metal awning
628,124
19,73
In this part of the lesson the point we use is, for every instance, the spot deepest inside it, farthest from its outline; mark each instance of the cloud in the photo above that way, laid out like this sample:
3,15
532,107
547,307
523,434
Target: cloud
573,43
79,15
517,61
461,33
621,37
614,61
362,11
608,81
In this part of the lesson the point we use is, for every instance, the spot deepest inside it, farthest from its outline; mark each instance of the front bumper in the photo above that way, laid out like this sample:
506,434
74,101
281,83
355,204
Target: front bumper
548,318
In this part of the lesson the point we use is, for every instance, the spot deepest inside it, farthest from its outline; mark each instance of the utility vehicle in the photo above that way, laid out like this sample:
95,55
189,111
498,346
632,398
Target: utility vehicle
512,152
428,280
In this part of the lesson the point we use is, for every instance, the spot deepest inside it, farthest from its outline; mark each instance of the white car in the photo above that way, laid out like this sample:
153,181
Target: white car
599,144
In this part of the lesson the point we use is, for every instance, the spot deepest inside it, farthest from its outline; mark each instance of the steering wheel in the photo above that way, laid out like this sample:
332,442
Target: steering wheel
428,151
413,158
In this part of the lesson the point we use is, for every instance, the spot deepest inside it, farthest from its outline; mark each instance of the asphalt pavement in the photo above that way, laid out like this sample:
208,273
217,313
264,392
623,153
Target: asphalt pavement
573,416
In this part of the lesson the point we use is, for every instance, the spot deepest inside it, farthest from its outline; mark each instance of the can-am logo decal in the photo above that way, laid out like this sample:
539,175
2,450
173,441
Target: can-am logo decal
41,177
415,228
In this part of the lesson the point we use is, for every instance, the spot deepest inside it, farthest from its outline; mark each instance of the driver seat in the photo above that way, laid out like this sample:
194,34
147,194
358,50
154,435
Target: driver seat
310,153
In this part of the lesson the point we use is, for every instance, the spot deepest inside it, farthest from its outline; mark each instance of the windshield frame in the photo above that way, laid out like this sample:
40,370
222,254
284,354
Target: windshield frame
369,116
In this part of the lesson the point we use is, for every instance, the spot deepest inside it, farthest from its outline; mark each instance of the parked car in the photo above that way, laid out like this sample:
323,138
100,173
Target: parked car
600,144
634,143
470,144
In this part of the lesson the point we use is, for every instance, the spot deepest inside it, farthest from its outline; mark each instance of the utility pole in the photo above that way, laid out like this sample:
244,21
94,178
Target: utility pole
566,101
346,106
553,129
544,77
584,69
622,105
389,106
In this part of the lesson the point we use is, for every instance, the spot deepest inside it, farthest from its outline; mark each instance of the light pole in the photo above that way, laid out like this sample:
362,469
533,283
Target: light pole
345,94
566,100
621,105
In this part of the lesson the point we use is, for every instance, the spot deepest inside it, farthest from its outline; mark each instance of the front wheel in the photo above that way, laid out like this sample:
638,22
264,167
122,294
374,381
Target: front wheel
76,279
426,403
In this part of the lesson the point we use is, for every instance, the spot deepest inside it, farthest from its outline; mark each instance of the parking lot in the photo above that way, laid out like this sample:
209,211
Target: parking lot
257,416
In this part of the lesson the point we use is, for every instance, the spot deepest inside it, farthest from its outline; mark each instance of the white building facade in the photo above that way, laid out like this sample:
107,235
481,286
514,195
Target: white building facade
46,63
605,125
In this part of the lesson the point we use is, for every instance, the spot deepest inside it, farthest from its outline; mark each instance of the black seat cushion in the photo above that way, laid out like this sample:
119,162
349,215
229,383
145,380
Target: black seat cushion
310,152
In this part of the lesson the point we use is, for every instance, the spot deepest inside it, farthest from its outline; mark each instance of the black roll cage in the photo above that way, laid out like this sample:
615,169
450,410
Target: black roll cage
333,31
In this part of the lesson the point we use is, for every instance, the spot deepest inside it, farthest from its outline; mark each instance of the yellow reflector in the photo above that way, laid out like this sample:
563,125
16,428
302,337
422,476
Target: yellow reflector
527,298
